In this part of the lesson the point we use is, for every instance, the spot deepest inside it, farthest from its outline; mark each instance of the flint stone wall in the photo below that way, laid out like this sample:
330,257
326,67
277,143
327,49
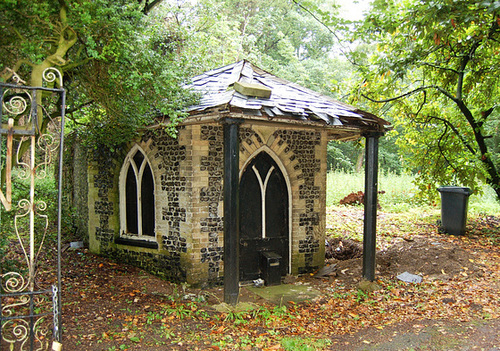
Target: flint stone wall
188,174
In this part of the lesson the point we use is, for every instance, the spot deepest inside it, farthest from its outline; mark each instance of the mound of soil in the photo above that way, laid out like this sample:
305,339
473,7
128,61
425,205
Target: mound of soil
342,249
420,255
427,258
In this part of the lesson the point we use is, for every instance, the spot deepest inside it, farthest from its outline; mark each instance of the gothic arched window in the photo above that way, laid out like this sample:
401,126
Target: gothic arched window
137,199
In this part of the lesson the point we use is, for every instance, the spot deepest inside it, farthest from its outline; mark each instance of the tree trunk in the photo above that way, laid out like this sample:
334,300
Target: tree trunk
359,161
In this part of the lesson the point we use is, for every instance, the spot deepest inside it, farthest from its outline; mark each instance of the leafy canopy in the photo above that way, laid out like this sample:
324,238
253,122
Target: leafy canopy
122,67
435,72
278,36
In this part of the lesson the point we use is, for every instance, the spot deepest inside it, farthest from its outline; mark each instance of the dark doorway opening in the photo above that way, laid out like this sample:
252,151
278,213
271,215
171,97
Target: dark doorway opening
264,216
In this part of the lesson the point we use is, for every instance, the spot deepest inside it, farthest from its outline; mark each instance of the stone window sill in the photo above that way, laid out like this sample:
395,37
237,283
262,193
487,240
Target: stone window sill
137,242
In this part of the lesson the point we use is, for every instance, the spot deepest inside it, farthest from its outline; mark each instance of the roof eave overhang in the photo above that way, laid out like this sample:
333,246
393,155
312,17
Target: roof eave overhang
334,132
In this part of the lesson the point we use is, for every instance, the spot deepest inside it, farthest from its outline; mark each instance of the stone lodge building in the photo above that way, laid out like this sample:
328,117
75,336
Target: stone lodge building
247,172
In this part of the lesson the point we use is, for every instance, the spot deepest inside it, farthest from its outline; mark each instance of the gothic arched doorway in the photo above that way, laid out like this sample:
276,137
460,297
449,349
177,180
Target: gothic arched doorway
264,215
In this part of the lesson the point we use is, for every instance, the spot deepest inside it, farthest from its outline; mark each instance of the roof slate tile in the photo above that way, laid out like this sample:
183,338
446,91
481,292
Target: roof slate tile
287,99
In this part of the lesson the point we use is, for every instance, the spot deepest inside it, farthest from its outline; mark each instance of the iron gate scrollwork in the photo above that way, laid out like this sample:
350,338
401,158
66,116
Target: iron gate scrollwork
31,138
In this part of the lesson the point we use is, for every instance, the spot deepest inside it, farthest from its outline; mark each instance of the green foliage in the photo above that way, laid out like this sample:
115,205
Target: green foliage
46,197
137,73
179,311
278,36
349,156
237,317
390,160
341,156
5,265
122,68
304,344
435,73
45,192
399,190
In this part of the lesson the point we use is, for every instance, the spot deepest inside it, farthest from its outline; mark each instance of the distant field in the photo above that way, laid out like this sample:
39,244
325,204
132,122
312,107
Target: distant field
399,192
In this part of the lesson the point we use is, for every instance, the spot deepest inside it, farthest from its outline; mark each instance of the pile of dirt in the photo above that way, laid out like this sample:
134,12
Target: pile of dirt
356,199
427,258
420,255
342,249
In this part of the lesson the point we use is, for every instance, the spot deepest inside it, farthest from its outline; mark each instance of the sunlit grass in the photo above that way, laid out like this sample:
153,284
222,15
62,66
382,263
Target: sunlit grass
399,193
485,203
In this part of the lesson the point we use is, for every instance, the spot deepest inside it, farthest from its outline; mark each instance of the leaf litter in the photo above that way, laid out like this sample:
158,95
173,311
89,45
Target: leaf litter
110,305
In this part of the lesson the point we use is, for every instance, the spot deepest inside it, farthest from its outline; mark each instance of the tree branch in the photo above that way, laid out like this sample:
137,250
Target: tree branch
19,35
148,7
329,29
8,73
441,150
439,67
463,65
63,12
72,65
441,90
448,124
485,115
79,107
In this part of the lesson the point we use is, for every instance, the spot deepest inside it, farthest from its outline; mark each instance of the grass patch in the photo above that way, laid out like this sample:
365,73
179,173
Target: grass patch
484,203
304,344
399,193
398,196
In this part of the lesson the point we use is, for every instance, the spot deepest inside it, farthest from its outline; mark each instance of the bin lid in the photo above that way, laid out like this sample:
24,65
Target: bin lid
455,189
270,255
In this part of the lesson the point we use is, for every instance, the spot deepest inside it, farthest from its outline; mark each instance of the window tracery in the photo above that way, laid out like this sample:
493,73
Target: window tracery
137,196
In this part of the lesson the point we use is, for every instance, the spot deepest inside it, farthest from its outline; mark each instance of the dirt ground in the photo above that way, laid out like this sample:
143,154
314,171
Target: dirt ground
107,304
419,255
110,306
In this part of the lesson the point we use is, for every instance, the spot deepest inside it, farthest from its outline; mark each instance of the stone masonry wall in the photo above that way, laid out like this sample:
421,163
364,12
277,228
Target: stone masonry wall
188,172
166,156
75,188
208,222
103,201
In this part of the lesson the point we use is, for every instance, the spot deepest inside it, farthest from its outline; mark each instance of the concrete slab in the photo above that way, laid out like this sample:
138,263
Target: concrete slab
284,293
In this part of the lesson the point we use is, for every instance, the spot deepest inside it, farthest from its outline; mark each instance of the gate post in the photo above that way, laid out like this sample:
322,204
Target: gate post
25,310
231,211
370,203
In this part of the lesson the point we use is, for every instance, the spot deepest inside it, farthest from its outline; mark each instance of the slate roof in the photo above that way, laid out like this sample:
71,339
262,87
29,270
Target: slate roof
288,103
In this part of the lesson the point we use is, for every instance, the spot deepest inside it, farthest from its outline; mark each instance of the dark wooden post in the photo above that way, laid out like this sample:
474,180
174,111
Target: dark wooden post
231,211
370,216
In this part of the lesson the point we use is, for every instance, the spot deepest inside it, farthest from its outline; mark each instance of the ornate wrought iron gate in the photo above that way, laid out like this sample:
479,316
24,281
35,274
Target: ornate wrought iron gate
31,137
